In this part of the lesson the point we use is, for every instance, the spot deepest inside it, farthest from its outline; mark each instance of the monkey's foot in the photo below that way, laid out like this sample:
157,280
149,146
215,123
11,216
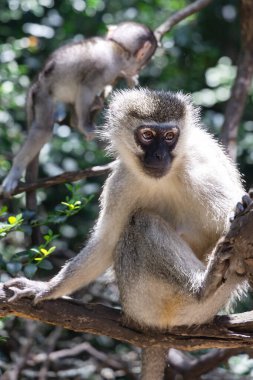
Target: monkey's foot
234,253
10,183
241,234
22,287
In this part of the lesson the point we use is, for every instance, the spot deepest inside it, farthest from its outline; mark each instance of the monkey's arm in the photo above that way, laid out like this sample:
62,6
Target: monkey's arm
85,99
132,81
93,259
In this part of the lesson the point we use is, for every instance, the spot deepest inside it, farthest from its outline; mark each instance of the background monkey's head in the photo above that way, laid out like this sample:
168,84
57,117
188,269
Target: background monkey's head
150,130
137,40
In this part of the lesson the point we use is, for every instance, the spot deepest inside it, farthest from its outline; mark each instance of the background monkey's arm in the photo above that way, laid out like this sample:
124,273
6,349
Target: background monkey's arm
86,96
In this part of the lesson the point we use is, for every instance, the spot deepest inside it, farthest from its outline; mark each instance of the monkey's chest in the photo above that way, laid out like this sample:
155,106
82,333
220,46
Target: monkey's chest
199,237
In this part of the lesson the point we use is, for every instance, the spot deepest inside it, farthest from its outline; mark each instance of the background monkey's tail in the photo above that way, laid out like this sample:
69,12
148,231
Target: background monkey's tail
31,174
153,363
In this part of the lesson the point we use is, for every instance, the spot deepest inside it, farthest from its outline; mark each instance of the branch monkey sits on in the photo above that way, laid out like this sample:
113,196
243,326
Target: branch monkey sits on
77,74
163,210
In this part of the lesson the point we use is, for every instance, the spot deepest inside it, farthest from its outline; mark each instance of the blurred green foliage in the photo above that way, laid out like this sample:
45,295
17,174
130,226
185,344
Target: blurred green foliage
27,262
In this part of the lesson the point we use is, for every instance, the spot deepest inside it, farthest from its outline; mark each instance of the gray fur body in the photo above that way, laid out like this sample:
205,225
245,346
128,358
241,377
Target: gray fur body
159,232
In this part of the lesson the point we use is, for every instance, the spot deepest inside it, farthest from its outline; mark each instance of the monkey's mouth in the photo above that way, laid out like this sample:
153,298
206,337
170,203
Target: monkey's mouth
156,171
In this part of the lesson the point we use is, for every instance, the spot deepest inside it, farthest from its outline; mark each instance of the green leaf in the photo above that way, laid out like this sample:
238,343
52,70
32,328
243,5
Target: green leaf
19,217
13,268
44,251
65,204
52,249
45,264
69,187
3,210
30,270
36,250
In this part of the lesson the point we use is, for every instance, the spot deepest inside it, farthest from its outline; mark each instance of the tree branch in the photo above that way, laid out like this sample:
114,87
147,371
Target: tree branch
193,367
239,93
233,331
94,171
179,16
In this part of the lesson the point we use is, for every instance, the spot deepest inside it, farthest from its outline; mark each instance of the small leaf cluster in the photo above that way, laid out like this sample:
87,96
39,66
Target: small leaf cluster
72,205
12,223
27,262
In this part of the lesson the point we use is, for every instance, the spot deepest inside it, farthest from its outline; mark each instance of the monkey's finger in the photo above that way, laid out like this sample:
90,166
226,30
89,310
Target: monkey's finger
251,193
20,283
242,206
225,256
246,200
20,293
40,297
249,265
239,208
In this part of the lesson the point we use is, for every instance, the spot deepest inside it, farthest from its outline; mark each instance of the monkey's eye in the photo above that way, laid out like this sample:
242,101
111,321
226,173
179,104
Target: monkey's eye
147,134
169,136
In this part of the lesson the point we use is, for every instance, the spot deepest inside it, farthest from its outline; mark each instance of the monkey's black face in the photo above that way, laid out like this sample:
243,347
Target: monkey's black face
157,143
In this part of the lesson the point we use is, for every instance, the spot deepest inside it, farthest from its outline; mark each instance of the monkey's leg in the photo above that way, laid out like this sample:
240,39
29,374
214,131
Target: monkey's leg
39,133
83,106
154,268
159,277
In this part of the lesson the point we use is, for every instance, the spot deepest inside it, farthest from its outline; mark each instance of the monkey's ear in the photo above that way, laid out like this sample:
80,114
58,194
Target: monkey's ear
143,52
110,29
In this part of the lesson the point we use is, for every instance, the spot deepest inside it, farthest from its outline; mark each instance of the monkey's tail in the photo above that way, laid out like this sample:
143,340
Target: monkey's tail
153,363
30,106
31,174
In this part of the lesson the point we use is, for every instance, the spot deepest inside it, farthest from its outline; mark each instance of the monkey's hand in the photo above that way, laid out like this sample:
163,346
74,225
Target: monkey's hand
132,81
22,287
242,206
241,231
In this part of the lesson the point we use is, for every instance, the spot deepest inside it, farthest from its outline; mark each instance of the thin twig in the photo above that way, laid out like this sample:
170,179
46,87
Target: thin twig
79,349
65,177
179,16
15,371
193,367
51,342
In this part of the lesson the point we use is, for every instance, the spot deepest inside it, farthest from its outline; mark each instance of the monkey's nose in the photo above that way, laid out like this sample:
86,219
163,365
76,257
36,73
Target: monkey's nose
159,156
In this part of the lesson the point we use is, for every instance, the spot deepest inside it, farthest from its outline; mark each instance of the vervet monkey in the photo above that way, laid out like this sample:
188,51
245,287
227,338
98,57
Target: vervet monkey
76,74
163,210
